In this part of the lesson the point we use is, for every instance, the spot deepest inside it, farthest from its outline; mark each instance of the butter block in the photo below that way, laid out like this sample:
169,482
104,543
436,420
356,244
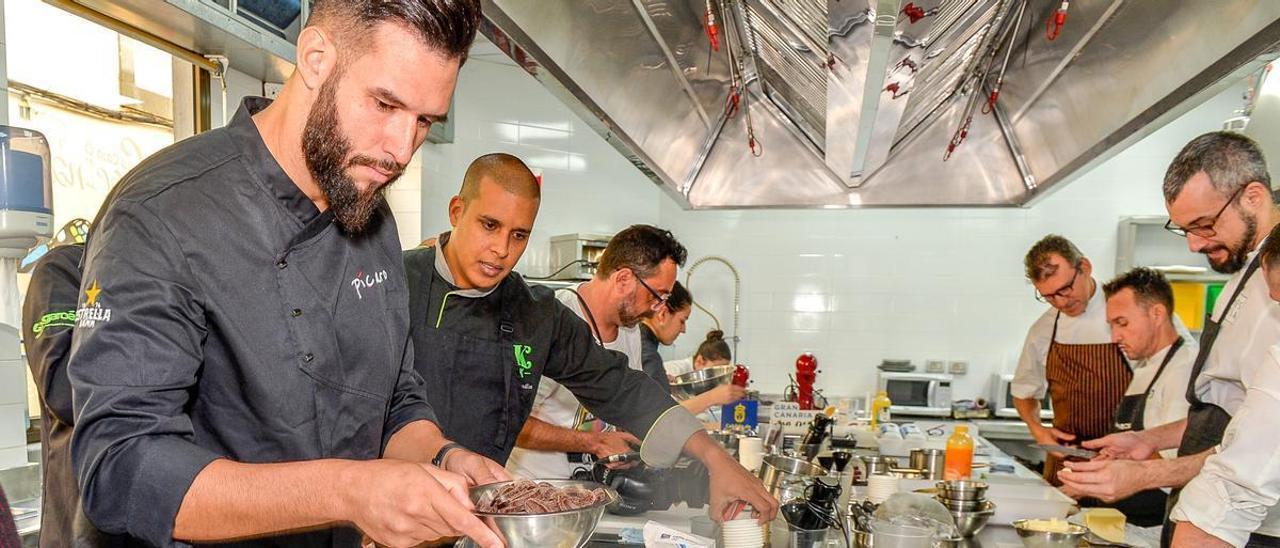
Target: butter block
1107,523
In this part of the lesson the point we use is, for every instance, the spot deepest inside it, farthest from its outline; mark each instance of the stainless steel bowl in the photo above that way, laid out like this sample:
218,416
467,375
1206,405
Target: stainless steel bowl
962,490
1044,539
790,491
970,523
691,384
774,469
961,505
781,474
568,529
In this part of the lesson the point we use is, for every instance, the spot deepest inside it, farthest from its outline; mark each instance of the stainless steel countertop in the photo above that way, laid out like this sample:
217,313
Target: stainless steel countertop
993,536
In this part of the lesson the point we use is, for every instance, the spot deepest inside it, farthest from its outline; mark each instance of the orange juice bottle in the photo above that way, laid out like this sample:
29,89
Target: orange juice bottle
959,460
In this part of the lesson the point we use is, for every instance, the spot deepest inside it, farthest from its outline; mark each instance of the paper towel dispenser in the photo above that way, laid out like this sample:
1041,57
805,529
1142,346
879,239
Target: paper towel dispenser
26,191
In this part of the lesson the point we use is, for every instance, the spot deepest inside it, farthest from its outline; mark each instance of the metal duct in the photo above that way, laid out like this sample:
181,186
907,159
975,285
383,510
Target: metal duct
855,101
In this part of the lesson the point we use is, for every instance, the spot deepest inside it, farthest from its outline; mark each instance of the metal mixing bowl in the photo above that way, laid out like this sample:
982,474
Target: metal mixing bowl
691,384
1044,539
971,523
568,529
963,490
777,469
961,505
785,477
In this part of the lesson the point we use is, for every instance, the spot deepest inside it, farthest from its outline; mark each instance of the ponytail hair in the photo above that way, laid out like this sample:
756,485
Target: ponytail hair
714,348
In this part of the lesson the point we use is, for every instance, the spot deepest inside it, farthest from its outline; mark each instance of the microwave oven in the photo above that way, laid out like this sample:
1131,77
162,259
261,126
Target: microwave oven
1002,399
919,394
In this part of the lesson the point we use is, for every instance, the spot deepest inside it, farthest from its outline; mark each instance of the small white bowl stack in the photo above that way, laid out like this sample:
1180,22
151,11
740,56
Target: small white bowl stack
743,532
880,488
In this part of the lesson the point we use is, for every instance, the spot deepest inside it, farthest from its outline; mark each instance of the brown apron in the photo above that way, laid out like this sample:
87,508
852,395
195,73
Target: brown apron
1086,384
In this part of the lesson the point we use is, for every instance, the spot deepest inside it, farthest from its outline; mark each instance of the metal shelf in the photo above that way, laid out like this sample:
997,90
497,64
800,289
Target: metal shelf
1141,240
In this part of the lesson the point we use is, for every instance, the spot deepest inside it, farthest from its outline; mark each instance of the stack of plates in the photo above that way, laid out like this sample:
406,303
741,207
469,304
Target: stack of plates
742,533
881,487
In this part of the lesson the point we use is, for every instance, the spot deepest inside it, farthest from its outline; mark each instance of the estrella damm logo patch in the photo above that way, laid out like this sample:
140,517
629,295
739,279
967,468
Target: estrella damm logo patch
92,312
523,366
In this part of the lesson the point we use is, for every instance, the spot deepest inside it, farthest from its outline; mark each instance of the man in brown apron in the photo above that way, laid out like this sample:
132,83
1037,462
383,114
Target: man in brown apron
1083,371
1218,194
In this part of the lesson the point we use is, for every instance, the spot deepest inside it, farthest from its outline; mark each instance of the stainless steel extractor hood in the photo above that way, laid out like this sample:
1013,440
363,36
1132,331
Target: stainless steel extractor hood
855,102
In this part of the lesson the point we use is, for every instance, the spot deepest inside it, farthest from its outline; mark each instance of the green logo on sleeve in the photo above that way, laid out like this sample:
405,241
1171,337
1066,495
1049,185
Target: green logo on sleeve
524,366
54,319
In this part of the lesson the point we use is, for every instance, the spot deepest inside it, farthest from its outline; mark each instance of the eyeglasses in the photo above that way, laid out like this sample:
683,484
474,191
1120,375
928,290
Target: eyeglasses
1204,231
659,300
1061,292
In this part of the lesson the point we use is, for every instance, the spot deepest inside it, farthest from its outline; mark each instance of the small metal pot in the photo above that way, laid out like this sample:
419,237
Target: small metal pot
877,465
931,461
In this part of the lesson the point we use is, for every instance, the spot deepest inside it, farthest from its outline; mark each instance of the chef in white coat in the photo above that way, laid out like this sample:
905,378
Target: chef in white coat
1218,194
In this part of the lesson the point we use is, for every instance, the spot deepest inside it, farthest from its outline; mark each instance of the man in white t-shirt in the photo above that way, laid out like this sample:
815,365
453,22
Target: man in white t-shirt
635,276
1140,312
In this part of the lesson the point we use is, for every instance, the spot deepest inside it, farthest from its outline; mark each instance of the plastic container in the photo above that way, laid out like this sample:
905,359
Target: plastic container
959,459
890,535
890,431
880,409
808,538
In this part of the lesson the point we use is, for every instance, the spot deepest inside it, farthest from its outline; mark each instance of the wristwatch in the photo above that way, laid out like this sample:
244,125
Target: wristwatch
439,458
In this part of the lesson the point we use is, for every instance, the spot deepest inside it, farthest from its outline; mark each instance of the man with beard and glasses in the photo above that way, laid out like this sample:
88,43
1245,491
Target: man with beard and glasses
241,366
1218,194
492,337
636,273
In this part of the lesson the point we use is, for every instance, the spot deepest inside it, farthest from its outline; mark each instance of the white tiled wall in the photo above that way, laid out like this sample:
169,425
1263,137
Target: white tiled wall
13,400
851,286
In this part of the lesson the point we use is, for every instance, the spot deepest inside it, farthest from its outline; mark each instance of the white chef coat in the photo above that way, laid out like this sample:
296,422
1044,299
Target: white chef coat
678,367
1090,327
1168,399
556,406
1237,490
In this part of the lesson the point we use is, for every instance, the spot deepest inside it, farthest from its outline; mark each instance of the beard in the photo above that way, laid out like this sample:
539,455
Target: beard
1237,255
326,149
630,318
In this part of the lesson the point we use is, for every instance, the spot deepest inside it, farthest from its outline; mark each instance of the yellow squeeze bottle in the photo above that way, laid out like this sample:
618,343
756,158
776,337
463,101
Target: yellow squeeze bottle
880,409
959,459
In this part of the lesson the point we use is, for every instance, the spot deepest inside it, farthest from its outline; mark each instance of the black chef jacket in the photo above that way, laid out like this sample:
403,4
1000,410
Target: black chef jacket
223,316
491,348
650,359
48,315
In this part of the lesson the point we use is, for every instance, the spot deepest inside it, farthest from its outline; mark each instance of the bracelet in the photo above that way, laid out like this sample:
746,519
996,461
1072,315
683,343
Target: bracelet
438,461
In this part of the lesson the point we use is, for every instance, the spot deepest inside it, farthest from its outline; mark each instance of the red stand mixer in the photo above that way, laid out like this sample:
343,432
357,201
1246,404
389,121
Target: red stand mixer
806,374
